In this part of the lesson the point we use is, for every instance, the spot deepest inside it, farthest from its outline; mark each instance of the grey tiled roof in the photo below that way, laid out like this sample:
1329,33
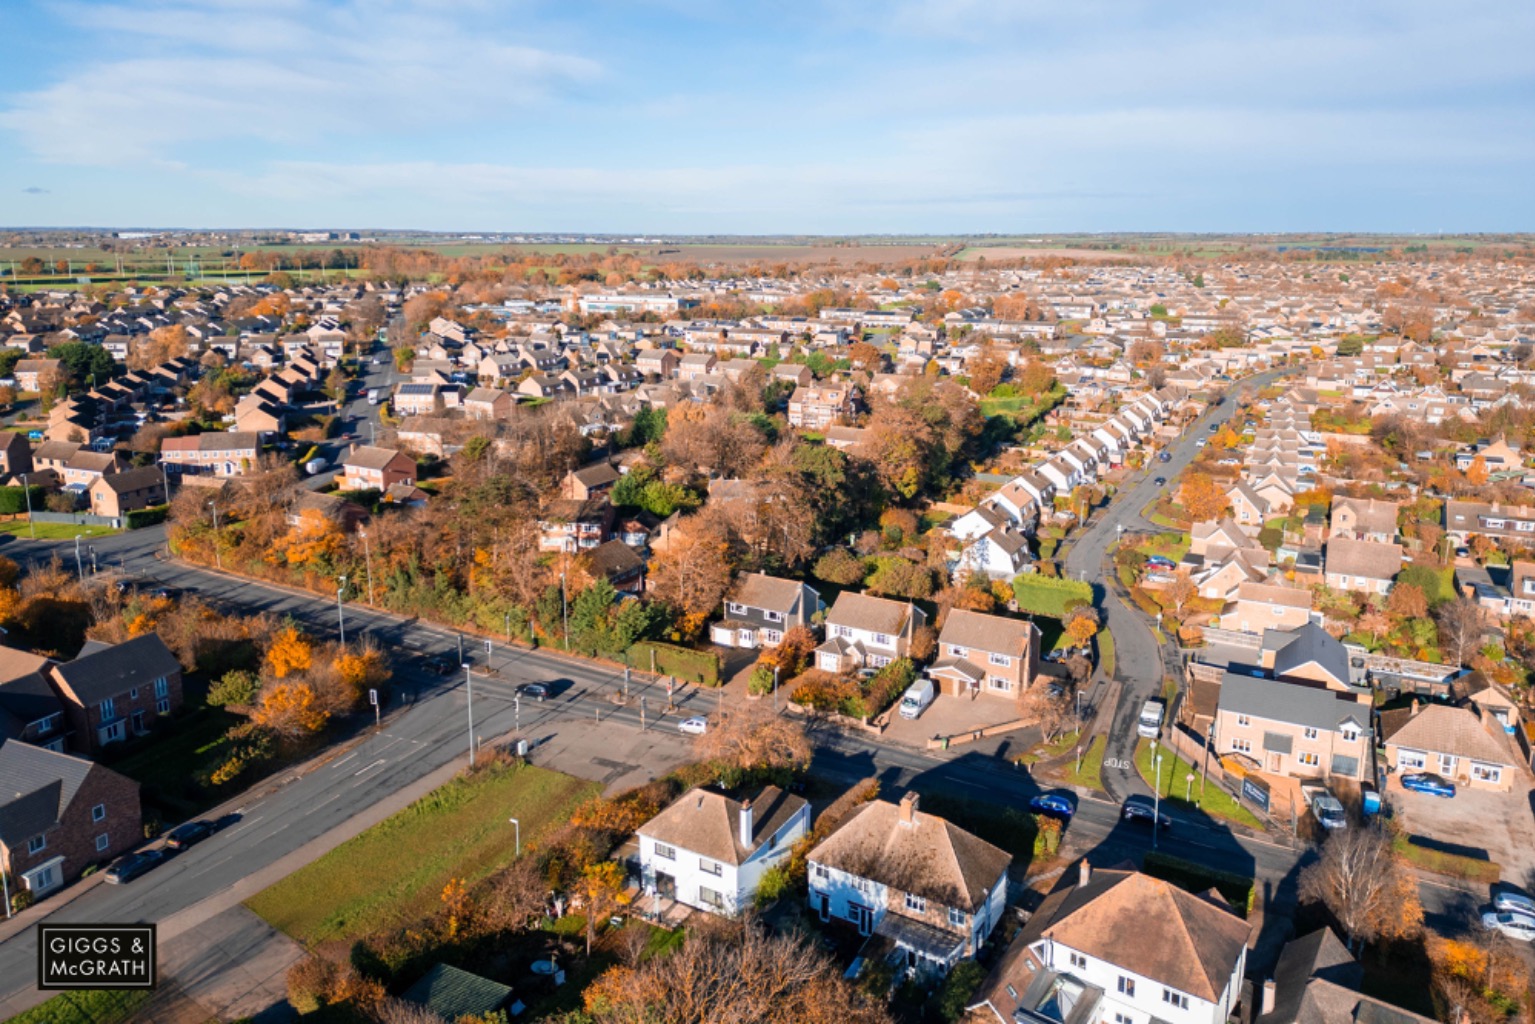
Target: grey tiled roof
36,785
1279,701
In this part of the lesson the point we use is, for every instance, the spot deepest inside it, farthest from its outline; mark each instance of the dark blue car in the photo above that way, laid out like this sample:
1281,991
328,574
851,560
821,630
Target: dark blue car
1427,782
1052,805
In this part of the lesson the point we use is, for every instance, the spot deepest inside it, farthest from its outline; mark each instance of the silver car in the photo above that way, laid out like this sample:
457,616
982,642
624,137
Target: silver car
1514,903
1516,926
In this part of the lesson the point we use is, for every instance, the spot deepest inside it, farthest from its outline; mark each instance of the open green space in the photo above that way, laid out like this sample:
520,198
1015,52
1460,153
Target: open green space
1217,803
55,531
1107,656
100,1006
1091,774
394,872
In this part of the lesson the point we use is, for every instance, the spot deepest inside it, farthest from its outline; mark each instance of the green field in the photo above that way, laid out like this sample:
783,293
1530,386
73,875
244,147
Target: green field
1044,595
394,873
1175,771
55,531
101,1006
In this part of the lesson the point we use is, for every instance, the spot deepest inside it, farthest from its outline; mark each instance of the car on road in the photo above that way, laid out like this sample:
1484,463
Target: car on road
1053,805
443,665
1514,903
1159,481
1164,457
1515,926
1462,552
165,593
1428,782
695,726
534,691
1139,810
1214,427
1201,443
131,865
190,834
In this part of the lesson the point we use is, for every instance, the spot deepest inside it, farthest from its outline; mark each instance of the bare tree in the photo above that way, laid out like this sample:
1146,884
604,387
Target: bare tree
1461,627
1365,885
754,736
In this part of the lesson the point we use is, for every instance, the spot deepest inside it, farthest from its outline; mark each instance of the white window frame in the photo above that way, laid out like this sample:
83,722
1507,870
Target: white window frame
1243,721
1077,960
916,904
1172,997
1241,745
1309,758
163,706
712,868
102,842
1309,733
99,812
665,851
1127,986
999,659
1489,773
162,687
1411,760
957,917
37,844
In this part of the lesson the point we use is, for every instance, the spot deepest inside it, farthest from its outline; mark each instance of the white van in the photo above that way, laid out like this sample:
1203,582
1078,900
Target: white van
917,697
1150,724
375,395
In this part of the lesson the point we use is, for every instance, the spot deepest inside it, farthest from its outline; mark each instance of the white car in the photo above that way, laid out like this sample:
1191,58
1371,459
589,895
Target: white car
1515,926
695,726
1514,903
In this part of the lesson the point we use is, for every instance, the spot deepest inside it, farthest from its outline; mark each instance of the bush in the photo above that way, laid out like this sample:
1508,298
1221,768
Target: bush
13,500
954,995
776,882
237,687
702,667
886,687
761,682
140,518
21,899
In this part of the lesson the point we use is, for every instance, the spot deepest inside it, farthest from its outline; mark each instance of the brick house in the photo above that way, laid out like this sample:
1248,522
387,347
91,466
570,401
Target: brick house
118,691
29,709
928,890
864,631
366,468
1363,565
59,814
569,525
216,453
816,408
117,495
589,481
980,653
1364,519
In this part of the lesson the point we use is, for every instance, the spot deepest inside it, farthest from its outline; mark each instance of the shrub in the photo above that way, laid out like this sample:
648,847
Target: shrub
140,518
954,995
761,682
886,688
776,882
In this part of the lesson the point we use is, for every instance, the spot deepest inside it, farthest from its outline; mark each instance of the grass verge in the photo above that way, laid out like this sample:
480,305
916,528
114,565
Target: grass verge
1442,862
54,531
1091,774
103,1006
1175,771
1106,653
394,872
1046,751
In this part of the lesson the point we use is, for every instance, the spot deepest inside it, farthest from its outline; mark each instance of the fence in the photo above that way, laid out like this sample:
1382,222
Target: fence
78,519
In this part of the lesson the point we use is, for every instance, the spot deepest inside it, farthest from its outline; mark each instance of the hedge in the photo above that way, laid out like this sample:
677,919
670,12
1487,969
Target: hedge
1196,878
13,500
1044,595
152,516
702,667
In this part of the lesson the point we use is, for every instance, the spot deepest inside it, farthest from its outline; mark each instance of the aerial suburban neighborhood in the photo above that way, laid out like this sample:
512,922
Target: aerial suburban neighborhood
921,512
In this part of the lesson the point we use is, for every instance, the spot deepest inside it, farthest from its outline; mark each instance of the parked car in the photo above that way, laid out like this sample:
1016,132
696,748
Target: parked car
443,665
535,691
190,834
1214,427
1514,903
1329,811
1164,457
1053,805
1159,481
1515,926
1428,782
1161,562
1202,442
695,726
1141,811
131,865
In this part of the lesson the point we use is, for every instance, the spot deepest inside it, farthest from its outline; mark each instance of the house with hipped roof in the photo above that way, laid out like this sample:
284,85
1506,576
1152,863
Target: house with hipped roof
864,631
980,653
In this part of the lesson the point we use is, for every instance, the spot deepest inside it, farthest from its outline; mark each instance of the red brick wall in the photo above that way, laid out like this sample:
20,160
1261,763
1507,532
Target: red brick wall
75,836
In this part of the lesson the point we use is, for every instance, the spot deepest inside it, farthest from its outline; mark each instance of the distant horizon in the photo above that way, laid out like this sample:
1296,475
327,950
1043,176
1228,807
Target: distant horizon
836,117
906,236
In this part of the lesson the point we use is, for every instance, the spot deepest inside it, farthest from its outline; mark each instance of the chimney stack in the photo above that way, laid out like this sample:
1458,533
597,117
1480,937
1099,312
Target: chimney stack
1084,872
909,809
746,823
1269,989
1417,705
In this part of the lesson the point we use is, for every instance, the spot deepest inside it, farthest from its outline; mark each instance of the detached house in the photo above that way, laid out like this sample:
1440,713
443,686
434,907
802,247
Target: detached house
1363,565
762,608
926,889
59,814
980,653
709,852
1364,519
864,631
1121,947
118,691
818,407
378,469
1463,744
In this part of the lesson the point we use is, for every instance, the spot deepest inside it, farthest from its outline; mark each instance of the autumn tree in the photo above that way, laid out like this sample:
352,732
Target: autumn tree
1364,883
1082,626
1180,591
290,709
1035,379
290,652
601,888
1407,602
693,574
1053,712
1201,499
755,737
987,371
1461,627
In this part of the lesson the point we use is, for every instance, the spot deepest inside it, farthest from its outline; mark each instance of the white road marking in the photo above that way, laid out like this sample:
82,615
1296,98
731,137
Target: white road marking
345,759
370,767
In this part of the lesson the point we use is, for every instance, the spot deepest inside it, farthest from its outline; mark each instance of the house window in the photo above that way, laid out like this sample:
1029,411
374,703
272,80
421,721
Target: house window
107,710
1486,773
1408,760
1309,733
102,842
737,609
133,694
956,917
1177,999
1244,721
819,872
1447,763
1078,961
1123,1018
711,867
1349,733
999,659
916,904
842,631
99,812
958,652
1309,759
666,852
1127,986
163,706
882,639
37,844
162,687
999,683
773,616
710,898
1242,746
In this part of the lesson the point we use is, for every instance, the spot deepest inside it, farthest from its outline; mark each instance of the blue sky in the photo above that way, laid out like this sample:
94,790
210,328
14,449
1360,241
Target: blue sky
732,116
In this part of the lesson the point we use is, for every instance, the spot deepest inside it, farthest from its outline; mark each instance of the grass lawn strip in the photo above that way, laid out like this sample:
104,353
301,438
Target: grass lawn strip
1106,652
88,1006
1091,775
394,872
1442,862
1046,751
1217,802
55,531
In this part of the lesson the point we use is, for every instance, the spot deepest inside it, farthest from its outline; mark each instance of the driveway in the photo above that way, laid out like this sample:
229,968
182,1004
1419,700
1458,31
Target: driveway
1475,822
950,716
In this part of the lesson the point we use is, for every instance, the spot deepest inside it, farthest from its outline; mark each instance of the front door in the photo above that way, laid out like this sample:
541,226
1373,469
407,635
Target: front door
1274,762
666,885
862,917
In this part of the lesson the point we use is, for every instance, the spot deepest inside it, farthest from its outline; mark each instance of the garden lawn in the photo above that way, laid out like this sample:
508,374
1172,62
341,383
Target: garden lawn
1045,595
1091,775
1217,802
55,531
394,872
168,766
1442,862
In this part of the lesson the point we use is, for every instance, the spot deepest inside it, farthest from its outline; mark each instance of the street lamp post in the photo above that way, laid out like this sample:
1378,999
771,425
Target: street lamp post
218,559
775,687
469,688
367,554
79,569
508,627
340,612
26,491
564,609
517,825
1156,804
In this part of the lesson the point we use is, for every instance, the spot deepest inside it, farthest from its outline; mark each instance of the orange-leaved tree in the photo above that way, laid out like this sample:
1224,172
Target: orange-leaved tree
290,709
289,652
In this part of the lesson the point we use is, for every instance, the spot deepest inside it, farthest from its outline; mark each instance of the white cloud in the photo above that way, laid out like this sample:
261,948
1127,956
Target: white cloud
281,72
